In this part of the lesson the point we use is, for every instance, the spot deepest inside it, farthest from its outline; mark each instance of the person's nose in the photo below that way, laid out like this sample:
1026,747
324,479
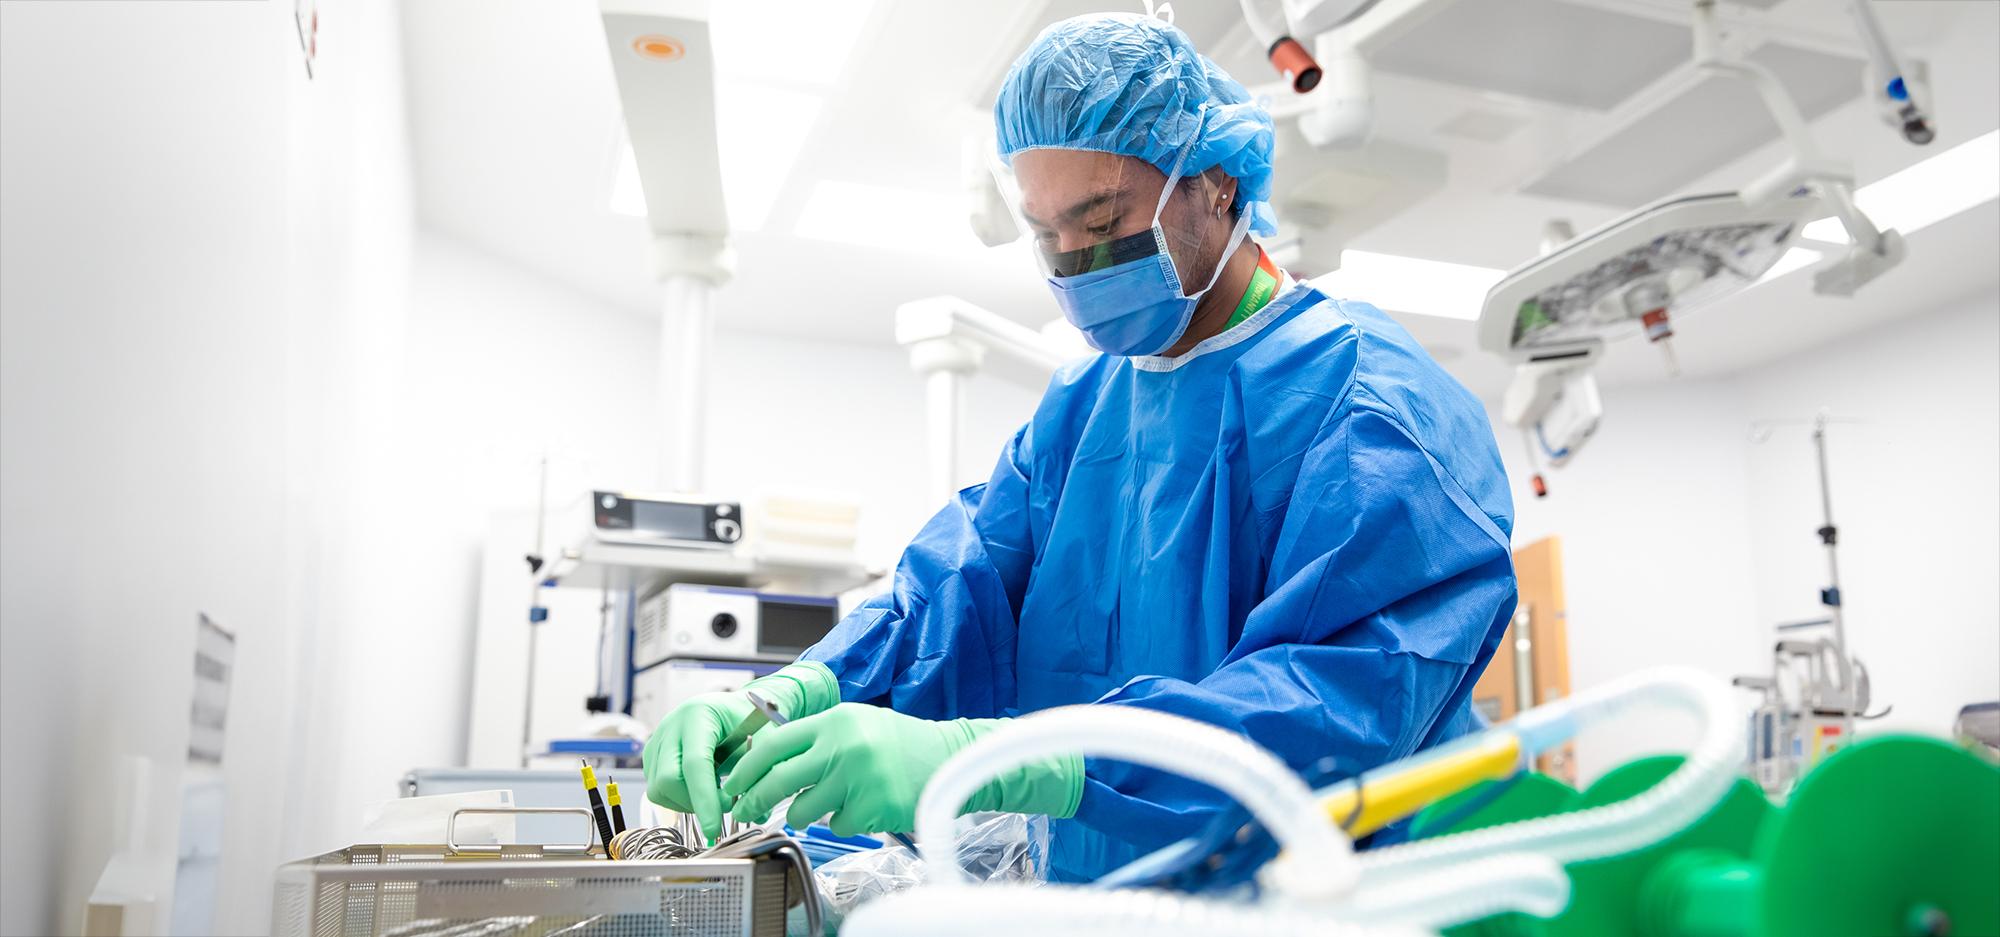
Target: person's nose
1074,240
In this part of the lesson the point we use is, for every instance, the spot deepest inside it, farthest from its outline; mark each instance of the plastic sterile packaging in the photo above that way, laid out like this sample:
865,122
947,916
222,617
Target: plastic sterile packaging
992,847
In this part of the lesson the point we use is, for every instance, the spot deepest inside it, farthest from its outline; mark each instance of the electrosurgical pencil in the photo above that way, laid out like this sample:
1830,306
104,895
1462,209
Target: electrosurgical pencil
617,806
597,804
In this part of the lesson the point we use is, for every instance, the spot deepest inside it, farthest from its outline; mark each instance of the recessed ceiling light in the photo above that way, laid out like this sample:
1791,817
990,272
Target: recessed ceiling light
1411,284
761,131
1926,193
887,217
1797,258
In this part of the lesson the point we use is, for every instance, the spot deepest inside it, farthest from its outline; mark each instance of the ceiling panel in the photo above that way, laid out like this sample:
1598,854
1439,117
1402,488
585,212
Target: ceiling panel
1714,122
1545,50
1486,126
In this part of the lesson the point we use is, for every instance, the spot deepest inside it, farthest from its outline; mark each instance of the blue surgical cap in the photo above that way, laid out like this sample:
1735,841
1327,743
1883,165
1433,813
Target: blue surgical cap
1134,85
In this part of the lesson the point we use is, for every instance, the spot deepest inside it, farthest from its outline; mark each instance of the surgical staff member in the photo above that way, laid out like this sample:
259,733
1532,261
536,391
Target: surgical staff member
1261,507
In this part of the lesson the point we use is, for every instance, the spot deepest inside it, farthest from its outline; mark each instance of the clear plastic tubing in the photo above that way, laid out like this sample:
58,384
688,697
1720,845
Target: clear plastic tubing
1060,910
1317,867
1466,891
1318,861
1403,889
1613,829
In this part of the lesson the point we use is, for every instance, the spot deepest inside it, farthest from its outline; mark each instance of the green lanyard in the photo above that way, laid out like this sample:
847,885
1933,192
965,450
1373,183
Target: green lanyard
1263,285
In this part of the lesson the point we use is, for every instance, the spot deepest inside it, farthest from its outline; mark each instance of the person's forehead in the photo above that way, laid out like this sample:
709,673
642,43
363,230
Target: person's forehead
1052,180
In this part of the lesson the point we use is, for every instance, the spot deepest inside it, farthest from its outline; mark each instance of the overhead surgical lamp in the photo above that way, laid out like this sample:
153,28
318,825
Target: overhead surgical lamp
1554,314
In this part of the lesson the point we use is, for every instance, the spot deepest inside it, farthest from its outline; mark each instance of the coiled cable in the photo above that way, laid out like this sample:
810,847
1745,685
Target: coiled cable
656,843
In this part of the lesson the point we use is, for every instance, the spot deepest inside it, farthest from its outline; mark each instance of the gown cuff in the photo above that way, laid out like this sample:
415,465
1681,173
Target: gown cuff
1052,785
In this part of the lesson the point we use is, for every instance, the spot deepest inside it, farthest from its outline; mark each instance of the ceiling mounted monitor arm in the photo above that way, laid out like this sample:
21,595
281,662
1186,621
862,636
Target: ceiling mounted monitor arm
1343,112
1554,400
664,65
949,339
1287,56
1557,406
1899,98
1874,250
1344,115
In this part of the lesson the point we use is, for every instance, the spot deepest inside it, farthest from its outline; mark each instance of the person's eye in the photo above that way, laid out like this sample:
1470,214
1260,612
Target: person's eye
1104,230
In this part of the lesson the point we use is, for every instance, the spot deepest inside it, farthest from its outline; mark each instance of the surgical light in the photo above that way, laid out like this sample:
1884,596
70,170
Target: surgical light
1554,314
1638,273
1634,275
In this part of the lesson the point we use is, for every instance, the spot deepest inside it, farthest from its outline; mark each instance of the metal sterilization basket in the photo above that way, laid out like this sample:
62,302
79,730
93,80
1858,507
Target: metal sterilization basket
524,891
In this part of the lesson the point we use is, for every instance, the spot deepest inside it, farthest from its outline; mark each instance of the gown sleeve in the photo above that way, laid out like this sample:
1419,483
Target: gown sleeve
940,643
1387,593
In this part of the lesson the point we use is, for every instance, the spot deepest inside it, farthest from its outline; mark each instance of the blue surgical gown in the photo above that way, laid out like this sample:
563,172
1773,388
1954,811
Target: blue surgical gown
1298,532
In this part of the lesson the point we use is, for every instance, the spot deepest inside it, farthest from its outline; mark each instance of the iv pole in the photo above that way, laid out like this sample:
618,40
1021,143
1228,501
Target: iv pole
1829,536
1843,691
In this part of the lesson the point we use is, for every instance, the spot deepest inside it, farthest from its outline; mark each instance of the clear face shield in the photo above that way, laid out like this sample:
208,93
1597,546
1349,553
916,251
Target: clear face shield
1128,250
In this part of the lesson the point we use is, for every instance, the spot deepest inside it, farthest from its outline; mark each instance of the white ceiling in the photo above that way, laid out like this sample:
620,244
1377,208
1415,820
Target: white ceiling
516,132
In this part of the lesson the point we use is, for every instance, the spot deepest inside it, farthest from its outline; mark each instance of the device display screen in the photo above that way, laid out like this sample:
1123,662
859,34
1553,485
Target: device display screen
786,627
682,521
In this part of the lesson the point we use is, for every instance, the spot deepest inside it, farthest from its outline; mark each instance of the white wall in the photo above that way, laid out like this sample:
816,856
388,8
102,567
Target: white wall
502,368
1916,497
366,649
142,352
1685,542
202,278
503,365
1656,559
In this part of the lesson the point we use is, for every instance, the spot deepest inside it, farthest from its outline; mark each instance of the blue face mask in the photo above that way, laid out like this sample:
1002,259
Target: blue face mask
1136,304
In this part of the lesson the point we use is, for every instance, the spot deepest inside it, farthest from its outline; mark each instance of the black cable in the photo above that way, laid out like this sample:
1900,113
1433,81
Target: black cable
1477,802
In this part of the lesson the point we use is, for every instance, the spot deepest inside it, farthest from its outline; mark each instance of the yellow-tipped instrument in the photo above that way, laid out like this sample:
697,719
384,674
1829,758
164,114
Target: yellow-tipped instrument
604,833
617,805
1369,803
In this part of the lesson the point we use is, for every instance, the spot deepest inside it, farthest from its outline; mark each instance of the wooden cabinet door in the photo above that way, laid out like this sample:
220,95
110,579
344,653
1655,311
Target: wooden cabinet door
1531,666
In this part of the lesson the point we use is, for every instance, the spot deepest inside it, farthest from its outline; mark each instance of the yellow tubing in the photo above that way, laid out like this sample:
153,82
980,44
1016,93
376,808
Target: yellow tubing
1387,799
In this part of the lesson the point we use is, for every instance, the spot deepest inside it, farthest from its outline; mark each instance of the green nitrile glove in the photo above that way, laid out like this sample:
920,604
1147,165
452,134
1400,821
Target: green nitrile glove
681,756
866,764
